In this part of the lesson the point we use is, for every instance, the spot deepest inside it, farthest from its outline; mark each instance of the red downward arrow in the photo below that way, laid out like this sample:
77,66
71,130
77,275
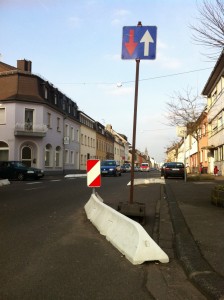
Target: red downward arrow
131,45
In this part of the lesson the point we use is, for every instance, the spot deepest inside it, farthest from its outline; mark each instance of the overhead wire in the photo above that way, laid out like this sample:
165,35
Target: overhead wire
132,81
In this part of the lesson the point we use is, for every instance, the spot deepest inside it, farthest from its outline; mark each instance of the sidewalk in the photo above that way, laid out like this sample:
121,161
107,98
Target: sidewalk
198,233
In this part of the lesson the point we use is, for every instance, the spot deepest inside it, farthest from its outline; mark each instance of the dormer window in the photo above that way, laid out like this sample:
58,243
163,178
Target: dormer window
45,93
55,99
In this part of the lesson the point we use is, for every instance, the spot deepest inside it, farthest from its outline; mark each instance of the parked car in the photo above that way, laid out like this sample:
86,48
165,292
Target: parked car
144,167
136,169
123,169
110,167
127,167
18,170
174,169
162,169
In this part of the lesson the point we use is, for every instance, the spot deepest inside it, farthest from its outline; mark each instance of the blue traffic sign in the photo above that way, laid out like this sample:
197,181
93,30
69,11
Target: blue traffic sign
139,42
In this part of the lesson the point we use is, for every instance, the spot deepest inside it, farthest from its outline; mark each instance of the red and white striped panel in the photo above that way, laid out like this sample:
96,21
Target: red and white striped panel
93,173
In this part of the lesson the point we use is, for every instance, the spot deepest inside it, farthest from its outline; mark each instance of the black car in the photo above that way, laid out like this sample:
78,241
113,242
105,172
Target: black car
174,169
162,169
18,170
110,167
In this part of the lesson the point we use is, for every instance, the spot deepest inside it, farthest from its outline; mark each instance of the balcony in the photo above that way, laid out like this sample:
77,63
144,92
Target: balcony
29,129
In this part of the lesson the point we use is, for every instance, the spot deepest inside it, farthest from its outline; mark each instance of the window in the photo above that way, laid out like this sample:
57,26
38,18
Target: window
4,151
48,153
55,98
72,134
66,156
214,126
58,124
220,123
58,156
2,115
66,130
72,157
28,119
45,92
49,120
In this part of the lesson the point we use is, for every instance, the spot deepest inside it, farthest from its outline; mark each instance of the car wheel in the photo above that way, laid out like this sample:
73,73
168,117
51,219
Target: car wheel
165,176
119,174
20,176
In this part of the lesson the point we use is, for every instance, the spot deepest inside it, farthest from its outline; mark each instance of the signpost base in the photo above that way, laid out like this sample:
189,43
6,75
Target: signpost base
135,211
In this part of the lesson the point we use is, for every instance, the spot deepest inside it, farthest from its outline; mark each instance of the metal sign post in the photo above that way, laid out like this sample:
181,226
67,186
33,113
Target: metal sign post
134,130
139,42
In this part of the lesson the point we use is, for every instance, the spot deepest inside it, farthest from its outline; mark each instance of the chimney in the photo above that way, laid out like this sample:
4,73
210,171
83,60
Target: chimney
24,65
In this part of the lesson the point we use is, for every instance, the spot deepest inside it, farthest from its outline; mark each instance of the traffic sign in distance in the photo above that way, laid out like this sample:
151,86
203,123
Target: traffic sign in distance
93,173
139,42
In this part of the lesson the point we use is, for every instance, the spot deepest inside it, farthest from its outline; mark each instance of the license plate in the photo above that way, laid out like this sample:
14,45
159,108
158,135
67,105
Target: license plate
104,172
175,169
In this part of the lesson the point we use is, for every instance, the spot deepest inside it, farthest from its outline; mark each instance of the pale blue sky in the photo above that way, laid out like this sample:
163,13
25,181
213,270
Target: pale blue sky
76,45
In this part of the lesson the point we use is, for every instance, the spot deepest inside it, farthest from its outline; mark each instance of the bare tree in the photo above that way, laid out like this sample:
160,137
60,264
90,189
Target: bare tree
186,110
210,30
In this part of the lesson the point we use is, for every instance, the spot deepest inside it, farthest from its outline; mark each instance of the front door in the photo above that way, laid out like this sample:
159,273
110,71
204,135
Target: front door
27,156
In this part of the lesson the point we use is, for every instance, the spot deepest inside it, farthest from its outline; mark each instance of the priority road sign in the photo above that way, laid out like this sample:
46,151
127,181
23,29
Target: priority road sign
93,173
139,42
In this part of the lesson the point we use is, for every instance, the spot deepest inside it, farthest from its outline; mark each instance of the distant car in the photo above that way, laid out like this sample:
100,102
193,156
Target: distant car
123,169
18,170
162,169
174,169
127,167
110,167
144,167
136,169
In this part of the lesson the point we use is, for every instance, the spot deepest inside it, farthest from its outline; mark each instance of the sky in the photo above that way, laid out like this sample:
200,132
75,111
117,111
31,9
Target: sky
76,45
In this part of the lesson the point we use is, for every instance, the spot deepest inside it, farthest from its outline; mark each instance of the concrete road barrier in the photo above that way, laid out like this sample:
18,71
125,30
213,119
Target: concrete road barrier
128,236
147,181
75,175
4,182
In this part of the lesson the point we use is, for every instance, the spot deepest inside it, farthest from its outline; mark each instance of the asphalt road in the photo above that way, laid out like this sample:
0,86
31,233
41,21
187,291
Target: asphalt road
49,250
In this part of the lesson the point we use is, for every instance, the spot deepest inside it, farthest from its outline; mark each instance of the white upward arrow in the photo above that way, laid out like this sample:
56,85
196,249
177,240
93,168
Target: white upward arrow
146,39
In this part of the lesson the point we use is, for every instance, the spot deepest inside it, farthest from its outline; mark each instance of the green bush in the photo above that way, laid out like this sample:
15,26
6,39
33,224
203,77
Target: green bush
219,187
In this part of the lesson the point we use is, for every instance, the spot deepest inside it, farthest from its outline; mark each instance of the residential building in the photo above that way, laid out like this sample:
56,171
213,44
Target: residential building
39,125
214,91
105,143
121,145
87,139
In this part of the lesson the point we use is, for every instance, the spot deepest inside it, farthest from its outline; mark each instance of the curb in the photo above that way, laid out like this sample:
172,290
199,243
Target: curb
196,267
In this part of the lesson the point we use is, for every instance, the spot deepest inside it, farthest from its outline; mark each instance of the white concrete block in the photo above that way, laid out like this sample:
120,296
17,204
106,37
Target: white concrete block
128,236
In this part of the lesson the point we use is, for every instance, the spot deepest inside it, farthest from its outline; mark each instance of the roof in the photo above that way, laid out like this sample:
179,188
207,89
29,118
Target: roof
6,67
219,67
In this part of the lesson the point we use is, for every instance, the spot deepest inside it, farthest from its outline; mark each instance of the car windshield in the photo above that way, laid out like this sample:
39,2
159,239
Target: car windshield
18,164
144,165
108,163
